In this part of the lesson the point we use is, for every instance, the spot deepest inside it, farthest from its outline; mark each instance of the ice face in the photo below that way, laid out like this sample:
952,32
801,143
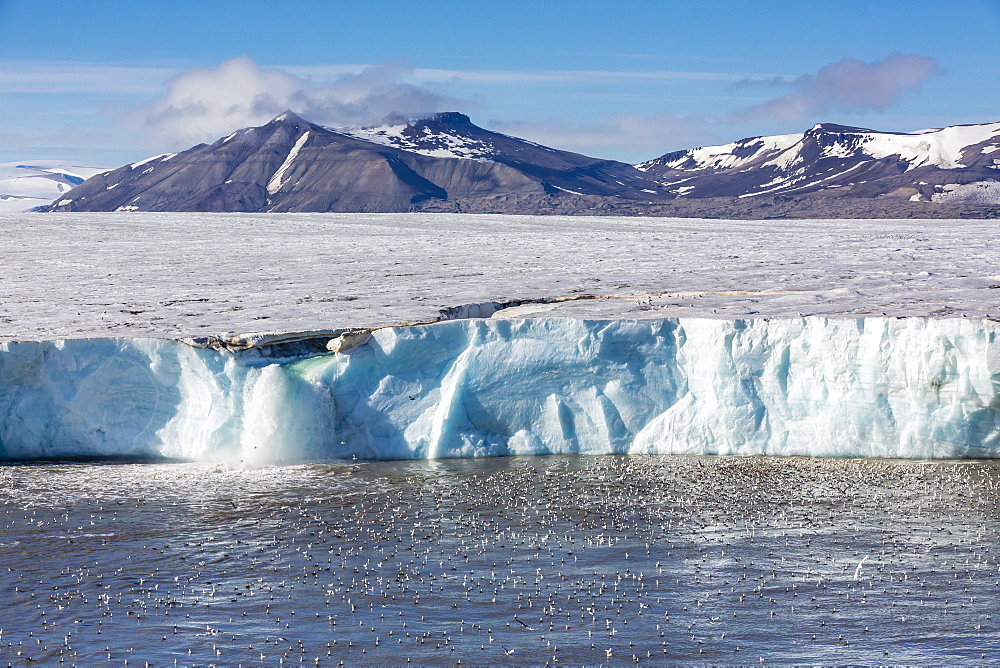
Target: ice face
871,387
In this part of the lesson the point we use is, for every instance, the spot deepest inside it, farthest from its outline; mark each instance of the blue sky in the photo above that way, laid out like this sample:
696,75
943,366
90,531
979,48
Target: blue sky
109,82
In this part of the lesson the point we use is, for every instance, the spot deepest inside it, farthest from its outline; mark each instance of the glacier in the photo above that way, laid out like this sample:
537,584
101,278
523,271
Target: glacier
476,387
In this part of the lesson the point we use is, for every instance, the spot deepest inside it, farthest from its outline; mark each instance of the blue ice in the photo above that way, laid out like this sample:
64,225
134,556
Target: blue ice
868,387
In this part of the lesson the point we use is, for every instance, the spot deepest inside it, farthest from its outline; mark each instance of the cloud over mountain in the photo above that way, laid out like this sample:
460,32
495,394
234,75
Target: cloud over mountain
202,104
847,85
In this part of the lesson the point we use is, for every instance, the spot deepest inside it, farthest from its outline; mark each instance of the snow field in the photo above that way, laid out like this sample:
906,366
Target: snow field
177,275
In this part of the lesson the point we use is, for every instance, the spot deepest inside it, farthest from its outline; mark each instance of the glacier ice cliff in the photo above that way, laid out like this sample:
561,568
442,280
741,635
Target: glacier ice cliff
869,387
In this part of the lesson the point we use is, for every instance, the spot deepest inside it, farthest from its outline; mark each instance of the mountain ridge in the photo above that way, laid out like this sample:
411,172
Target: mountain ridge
836,160
447,163
290,164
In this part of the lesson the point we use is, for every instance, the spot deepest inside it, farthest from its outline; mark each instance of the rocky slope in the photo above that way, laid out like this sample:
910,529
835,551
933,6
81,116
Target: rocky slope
292,165
446,163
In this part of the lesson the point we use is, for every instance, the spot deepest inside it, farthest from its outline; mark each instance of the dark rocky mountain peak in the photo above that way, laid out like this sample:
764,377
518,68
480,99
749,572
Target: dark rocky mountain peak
291,164
451,118
288,117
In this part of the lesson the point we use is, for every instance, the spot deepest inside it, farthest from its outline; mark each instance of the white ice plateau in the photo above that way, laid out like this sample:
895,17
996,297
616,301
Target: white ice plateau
25,185
812,338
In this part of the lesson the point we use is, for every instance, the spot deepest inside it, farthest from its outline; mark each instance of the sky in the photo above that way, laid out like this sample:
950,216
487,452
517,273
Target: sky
106,82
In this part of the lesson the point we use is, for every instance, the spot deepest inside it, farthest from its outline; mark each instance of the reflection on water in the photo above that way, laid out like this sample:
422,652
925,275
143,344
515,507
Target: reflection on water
610,559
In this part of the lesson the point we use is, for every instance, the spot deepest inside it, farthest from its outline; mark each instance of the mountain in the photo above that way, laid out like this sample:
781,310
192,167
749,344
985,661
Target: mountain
290,164
954,164
445,163
24,186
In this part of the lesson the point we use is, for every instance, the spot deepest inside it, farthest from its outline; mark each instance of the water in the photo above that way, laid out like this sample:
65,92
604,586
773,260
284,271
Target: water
586,560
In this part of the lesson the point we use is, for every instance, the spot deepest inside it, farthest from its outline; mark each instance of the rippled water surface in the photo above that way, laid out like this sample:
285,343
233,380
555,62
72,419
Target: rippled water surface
612,559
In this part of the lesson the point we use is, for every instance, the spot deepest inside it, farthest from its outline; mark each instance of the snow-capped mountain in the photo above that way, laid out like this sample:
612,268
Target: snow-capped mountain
445,135
290,164
26,185
957,163
447,163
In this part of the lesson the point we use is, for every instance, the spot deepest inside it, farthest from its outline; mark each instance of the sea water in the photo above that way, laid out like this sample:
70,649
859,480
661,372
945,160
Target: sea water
610,559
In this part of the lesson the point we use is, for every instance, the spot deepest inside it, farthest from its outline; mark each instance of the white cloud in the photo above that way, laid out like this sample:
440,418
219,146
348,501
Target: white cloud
848,85
204,104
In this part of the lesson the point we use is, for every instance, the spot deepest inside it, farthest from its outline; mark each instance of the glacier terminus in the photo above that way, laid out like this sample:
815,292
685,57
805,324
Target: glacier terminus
475,387
410,337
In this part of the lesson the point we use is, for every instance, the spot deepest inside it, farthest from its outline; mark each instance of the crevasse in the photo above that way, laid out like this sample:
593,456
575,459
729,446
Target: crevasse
870,387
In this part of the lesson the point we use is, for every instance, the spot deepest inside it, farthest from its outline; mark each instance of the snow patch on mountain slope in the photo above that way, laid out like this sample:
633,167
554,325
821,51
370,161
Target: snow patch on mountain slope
980,192
728,156
943,148
161,158
435,145
274,185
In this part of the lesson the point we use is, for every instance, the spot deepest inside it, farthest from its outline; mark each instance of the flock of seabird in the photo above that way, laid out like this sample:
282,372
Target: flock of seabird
543,560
